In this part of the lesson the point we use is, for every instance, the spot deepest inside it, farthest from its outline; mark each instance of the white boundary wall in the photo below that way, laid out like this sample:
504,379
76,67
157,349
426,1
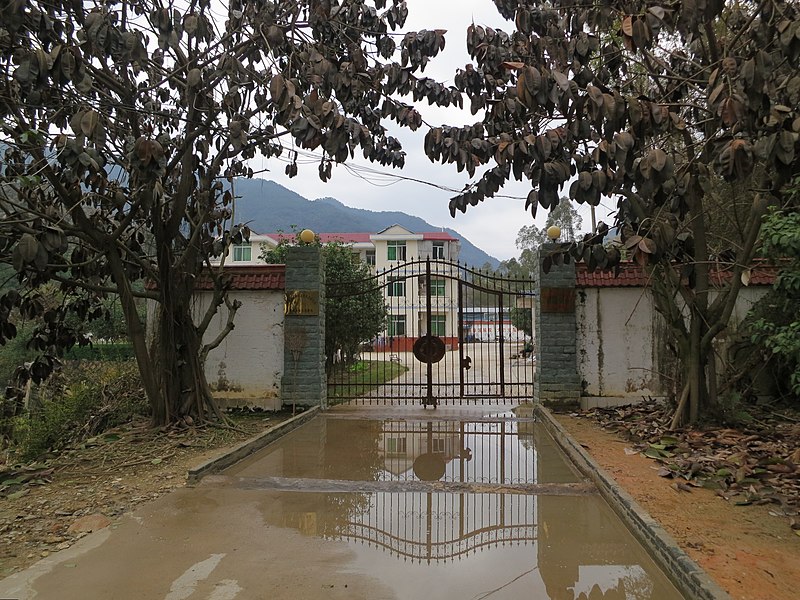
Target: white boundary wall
249,361
622,343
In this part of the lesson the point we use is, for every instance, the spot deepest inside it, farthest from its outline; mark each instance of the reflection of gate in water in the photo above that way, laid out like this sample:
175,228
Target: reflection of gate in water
437,527
471,332
432,526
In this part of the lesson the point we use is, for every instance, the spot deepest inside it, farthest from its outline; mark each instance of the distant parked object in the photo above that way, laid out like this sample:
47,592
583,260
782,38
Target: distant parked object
490,331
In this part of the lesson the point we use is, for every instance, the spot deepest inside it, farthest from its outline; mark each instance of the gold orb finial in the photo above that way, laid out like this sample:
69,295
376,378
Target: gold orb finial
307,236
553,232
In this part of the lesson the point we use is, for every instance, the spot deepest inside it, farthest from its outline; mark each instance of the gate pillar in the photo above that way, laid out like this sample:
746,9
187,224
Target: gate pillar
557,383
304,382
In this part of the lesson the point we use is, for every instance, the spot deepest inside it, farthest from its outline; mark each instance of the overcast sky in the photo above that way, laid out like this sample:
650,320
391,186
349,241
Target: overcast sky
493,224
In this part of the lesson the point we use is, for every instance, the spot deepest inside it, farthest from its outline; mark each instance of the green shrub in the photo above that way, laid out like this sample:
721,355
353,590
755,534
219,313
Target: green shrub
776,319
82,400
114,351
14,353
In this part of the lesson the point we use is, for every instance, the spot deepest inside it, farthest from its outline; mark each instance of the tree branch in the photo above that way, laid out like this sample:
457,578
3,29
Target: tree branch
233,306
725,303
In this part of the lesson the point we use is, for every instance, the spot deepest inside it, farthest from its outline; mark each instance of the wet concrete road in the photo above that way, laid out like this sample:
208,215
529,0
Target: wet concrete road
360,504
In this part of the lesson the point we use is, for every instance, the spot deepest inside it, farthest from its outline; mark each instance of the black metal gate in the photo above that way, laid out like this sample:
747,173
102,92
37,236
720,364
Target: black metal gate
453,335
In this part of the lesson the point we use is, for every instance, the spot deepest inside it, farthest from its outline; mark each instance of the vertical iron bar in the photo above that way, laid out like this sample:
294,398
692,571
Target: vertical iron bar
428,319
461,338
502,353
503,470
463,444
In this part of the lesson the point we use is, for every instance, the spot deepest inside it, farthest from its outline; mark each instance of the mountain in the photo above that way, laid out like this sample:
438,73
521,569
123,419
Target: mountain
269,207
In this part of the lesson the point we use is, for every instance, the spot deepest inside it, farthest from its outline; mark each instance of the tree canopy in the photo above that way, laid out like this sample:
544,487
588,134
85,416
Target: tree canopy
564,215
123,125
644,103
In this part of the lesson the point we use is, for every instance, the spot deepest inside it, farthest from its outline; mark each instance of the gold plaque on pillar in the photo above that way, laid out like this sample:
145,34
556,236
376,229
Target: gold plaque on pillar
558,300
301,302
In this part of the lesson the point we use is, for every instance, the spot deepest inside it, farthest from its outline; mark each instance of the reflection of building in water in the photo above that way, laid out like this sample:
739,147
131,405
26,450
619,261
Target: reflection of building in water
401,443
475,502
493,452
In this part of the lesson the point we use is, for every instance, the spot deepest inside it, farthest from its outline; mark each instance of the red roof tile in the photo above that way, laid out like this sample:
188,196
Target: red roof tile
258,277
632,275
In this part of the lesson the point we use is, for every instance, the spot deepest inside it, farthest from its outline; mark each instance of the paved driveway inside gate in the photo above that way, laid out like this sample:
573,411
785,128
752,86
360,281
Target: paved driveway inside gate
369,503
483,375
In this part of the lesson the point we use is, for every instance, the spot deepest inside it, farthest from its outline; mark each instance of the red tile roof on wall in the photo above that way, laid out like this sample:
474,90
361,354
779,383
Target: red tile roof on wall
632,275
257,277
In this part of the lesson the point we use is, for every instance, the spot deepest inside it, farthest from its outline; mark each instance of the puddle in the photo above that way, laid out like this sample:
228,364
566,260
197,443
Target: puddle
475,509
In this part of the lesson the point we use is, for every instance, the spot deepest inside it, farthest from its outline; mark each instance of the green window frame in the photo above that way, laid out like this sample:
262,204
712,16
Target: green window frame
438,287
396,250
438,325
396,445
242,252
396,288
397,325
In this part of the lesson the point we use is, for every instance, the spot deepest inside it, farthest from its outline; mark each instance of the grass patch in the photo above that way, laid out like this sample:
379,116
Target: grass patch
113,351
361,377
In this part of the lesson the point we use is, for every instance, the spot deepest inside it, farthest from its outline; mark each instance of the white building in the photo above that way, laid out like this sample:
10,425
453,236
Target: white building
389,251
381,250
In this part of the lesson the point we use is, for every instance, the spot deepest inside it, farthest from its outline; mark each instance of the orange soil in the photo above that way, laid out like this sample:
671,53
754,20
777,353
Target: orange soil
751,553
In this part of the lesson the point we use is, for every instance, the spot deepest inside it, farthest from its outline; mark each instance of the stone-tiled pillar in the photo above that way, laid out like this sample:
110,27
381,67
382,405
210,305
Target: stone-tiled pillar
304,382
557,383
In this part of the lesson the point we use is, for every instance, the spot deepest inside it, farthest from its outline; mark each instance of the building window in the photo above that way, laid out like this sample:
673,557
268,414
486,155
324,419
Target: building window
397,325
242,252
396,288
437,287
369,258
438,325
396,250
396,445
438,250
438,446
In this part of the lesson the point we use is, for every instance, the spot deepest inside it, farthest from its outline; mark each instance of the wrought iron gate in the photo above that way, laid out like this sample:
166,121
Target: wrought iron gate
453,335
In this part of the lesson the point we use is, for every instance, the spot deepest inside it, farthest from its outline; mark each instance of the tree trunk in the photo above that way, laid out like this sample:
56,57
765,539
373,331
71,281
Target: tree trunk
176,350
696,369
698,310
136,331
173,364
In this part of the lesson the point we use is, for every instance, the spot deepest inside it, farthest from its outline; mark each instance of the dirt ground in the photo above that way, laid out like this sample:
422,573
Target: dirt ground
751,551
60,500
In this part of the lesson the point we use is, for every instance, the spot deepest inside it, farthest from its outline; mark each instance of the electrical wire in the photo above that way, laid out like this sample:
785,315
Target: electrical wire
377,177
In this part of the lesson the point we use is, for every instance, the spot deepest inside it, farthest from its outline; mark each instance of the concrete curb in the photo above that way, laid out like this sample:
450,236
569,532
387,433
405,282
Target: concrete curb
248,447
684,573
